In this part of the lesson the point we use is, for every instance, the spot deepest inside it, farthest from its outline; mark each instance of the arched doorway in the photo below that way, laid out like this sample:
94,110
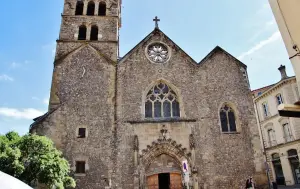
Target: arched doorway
164,173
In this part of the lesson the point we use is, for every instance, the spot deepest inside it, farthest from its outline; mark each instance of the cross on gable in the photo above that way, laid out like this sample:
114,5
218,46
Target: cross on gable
156,20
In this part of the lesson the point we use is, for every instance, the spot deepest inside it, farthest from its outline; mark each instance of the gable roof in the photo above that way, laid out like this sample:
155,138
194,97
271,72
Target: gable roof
219,49
154,32
157,30
85,44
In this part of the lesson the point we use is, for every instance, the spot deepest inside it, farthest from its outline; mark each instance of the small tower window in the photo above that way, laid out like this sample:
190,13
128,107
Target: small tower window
91,9
80,167
94,33
228,121
102,9
79,8
82,133
82,33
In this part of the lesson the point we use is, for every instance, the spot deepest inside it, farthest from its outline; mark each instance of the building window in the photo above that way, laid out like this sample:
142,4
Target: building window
162,102
94,33
271,137
259,93
266,109
80,167
79,8
102,9
82,33
228,121
82,133
287,132
294,163
279,99
91,9
278,169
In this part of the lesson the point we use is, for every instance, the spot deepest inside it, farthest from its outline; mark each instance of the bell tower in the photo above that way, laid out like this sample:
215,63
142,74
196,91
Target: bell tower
82,113
87,22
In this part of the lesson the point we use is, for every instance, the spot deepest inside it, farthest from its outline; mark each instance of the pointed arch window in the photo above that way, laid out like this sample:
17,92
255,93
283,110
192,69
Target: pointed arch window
162,102
94,33
102,9
228,120
91,9
82,32
79,8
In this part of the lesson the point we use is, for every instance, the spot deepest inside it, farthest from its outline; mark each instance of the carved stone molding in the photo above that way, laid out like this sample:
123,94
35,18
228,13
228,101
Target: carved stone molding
164,146
136,143
192,141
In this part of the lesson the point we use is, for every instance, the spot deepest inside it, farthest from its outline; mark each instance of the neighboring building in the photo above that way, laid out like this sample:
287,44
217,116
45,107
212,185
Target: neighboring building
280,135
147,119
287,14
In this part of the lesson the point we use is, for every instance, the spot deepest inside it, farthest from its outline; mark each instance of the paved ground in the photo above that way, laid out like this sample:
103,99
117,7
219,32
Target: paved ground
289,187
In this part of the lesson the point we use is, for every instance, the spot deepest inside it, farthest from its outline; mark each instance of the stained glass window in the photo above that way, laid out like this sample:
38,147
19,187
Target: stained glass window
228,120
162,102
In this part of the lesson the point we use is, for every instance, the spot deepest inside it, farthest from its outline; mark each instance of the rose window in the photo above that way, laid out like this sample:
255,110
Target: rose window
158,53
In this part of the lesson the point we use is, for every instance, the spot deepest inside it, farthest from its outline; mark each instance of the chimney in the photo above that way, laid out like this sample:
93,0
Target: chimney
283,72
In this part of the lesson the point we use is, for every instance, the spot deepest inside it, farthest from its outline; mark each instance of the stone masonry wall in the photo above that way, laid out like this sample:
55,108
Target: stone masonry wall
85,85
222,160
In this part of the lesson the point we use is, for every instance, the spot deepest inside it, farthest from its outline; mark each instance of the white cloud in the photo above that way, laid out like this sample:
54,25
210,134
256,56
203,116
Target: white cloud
267,26
28,113
270,23
51,46
274,37
35,98
5,77
14,65
263,9
46,101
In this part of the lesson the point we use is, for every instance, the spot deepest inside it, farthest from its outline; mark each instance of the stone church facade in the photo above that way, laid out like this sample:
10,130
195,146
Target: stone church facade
153,119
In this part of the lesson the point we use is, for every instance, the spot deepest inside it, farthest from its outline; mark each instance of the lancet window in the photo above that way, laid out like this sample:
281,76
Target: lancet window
228,120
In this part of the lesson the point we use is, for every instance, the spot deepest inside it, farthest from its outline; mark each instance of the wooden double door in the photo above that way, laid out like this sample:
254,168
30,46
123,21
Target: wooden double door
165,181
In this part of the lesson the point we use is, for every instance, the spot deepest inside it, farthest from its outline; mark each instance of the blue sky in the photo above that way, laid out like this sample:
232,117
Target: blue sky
246,29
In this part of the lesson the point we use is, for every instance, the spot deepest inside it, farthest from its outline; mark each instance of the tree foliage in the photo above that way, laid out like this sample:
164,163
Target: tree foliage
34,159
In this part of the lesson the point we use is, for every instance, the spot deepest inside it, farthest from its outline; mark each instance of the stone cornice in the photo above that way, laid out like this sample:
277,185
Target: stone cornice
283,145
160,121
274,88
269,118
84,41
89,16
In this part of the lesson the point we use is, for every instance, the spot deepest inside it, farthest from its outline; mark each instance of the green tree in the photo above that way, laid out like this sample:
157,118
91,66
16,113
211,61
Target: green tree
33,159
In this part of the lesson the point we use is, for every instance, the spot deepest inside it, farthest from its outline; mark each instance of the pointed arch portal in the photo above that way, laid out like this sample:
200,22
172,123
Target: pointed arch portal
161,164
